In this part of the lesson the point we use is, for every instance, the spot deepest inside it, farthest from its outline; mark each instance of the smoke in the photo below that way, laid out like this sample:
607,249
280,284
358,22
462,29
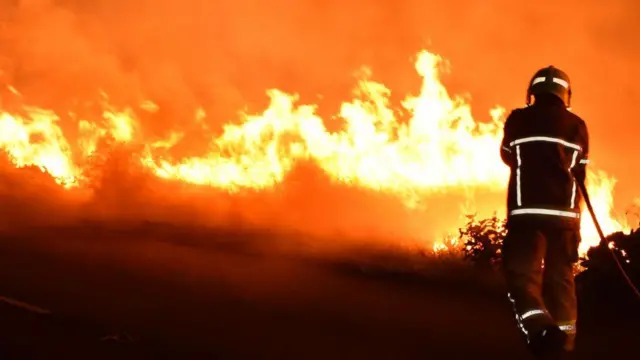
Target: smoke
223,55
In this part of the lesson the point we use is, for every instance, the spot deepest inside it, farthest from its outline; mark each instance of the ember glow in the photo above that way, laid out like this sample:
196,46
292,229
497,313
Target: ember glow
434,147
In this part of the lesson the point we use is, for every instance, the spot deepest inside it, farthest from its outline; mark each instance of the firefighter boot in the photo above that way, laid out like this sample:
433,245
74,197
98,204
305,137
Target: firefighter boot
549,343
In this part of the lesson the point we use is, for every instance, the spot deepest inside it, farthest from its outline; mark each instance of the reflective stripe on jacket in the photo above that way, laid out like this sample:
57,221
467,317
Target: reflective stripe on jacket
546,146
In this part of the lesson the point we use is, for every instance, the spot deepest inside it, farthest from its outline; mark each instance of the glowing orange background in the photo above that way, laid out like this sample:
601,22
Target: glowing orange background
185,54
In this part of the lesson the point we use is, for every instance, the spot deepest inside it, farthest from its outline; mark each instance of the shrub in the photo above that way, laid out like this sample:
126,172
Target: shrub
481,240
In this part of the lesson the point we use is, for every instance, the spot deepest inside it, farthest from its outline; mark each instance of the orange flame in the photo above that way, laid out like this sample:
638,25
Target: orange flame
436,146
600,187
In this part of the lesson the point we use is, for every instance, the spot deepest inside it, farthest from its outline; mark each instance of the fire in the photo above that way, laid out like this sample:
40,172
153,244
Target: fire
36,140
432,145
440,146
600,187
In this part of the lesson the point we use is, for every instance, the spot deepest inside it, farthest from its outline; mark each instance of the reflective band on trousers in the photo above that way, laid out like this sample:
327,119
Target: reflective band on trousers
567,326
531,313
547,139
545,212
526,315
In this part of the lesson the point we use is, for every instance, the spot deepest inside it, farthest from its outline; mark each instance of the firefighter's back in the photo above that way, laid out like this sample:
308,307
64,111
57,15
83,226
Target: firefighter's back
548,144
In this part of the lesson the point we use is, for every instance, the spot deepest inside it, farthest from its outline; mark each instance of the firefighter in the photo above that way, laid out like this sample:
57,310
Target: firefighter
546,147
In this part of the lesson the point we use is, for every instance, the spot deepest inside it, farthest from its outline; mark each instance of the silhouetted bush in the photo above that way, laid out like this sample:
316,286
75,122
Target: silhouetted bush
481,240
603,290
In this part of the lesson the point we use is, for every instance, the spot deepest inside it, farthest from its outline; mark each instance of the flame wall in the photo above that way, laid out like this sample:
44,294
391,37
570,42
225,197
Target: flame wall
184,69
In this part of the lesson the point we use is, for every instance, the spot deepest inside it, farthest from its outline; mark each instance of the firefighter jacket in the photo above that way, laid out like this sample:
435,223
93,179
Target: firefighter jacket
546,146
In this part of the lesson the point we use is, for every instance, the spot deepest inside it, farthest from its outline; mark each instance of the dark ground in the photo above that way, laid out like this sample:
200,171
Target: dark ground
183,294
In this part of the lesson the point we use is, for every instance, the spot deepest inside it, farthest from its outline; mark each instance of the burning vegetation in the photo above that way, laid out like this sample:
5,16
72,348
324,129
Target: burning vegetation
126,122
432,145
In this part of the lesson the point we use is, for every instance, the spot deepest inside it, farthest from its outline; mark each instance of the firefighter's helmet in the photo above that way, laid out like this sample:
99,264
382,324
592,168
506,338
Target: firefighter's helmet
550,80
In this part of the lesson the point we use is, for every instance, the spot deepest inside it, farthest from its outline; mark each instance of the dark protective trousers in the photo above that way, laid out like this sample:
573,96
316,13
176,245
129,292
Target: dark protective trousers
538,269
